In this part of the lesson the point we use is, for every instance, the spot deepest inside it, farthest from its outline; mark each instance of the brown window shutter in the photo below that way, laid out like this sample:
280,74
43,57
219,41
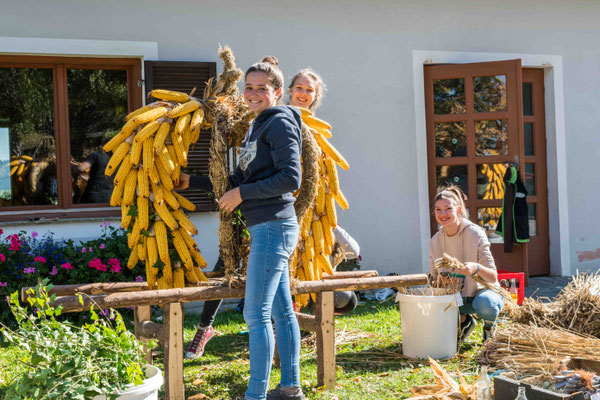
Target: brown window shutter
183,76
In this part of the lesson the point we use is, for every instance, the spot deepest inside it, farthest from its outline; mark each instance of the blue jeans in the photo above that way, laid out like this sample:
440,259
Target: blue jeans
268,294
487,304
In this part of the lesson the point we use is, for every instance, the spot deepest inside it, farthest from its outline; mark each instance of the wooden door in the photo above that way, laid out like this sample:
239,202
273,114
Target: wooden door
474,118
534,148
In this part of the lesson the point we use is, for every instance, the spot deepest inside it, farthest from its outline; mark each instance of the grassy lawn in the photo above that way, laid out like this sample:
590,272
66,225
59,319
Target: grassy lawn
369,360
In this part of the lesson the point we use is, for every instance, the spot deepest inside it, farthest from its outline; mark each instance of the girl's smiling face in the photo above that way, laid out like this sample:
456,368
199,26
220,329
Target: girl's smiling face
303,92
259,92
447,214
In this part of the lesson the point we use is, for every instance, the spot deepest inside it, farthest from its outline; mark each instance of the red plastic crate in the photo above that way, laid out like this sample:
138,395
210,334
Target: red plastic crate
520,277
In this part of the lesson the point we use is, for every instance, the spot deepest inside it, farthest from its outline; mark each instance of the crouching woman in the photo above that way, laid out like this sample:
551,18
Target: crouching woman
468,243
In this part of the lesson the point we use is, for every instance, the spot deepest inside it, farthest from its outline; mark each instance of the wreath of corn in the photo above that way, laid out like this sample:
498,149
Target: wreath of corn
148,154
316,243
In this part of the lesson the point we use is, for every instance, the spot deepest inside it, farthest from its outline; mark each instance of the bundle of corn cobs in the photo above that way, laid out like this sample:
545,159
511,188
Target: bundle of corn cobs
149,152
316,244
20,166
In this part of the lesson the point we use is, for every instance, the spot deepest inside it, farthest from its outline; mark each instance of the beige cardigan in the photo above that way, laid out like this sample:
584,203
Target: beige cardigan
470,244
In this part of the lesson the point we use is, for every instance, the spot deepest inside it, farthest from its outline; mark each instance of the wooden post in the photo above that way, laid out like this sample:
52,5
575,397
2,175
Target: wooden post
325,327
141,314
173,345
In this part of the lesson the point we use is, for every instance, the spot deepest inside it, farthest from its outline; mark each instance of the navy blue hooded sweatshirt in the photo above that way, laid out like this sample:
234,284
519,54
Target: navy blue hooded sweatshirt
269,166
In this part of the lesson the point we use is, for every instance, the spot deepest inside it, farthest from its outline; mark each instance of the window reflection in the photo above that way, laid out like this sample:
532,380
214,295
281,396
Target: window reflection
450,139
97,107
491,137
28,155
488,218
532,209
490,185
527,98
452,175
530,179
529,143
449,96
489,93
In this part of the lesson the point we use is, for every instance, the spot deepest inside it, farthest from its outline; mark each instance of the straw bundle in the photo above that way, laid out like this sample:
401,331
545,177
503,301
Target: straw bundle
530,349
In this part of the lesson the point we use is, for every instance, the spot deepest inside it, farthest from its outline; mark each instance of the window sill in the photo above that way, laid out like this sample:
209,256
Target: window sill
38,217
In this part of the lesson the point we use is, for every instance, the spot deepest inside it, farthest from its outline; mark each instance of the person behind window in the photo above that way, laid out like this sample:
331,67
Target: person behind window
468,243
269,172
99,188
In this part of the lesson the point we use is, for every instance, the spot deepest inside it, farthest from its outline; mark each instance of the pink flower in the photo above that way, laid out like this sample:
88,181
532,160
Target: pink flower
97,265
5,284
29,270
15,242
1,231
83,249
67,266
139,278
34,234
40,259
2,257
54,270
90,249
102,246
115,265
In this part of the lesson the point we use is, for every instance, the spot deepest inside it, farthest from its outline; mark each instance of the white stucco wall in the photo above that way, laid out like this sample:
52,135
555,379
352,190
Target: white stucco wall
364,51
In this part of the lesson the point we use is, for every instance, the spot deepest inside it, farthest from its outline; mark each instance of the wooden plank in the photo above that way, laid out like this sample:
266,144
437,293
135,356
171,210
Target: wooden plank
325,325
306,322
141,315
351,274
150,297
173,346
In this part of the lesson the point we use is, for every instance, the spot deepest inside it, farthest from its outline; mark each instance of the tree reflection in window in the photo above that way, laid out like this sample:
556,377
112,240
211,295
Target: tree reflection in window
449,96
451,139
489,93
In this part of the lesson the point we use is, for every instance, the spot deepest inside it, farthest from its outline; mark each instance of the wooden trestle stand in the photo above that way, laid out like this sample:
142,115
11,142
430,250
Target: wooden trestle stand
170,332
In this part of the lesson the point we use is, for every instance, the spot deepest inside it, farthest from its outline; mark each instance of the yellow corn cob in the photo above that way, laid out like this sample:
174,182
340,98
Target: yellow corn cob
170,95
332,176
168,273
15,162
196,121
161,135
181,248
134,236
123,170
330,209
188,239
162,284
166,181
151,250
157,191
120,137
23,172
137,112
315,122
317,268
317,233
309,247
182,123
180,152
184,221
341,200
320,200
136,152
141,248
125,217
165,215
115,160
327,234
150,115
178,278
129,188
153,175
117,194
199,274
186,136
133,259
197,256
160,233
14,169
151,273
306,223
325,264
184,108
322,170
167,162
184,203
26,158
170,199
173,156
143,184
142,206
191,276
147,131
307,263
331,151
148,155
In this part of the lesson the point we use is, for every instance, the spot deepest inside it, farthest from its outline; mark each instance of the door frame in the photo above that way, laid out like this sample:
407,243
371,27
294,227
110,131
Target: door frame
558,215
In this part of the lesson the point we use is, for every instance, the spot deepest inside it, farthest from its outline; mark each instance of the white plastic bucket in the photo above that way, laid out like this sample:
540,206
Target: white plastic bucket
429,324
146,391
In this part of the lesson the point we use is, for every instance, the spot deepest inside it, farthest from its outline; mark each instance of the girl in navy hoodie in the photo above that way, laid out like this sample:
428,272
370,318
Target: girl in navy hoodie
269,172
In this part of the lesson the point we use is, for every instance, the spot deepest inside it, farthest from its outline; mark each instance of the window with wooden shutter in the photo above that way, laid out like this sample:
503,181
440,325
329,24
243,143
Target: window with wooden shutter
184,76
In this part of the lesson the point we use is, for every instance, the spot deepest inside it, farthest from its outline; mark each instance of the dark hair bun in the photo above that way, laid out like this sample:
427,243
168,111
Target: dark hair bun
271,60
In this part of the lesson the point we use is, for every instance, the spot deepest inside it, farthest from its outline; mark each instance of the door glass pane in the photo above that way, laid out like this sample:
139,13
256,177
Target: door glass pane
450,139
488,218
530,178
97,109
528,129
449,96
491,137
527,99
489,93
532,219
27,139
490,185
452,175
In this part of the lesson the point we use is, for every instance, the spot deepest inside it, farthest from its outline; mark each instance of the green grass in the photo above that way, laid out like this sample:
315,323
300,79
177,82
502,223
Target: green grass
369,361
